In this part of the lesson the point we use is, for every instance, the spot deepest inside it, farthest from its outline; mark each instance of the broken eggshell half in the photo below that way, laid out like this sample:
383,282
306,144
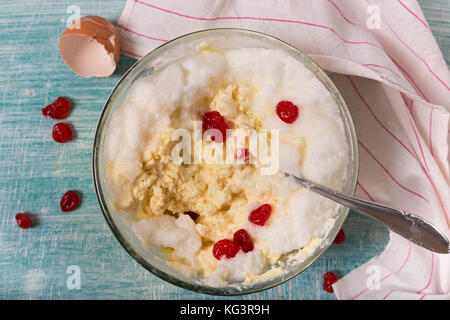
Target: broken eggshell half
90,47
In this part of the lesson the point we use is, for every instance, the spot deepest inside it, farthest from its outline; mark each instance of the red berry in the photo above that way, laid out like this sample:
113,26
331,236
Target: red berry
213,120
212,116
58,109
340,237
193,215
23,220
260,215
243,154
242,239
62,132
225,248
330,276
287,111
328,279
70,201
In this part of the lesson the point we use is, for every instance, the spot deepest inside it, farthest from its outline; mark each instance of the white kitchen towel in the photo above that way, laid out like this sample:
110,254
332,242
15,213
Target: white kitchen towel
386,63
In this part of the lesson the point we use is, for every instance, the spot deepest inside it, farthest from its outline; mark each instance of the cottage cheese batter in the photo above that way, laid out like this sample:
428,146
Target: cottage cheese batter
244,86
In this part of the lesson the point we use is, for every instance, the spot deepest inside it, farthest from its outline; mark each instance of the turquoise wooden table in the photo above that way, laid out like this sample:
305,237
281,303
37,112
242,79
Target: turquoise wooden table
35,172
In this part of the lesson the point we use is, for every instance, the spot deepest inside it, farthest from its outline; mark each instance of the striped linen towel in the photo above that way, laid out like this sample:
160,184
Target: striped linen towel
386,63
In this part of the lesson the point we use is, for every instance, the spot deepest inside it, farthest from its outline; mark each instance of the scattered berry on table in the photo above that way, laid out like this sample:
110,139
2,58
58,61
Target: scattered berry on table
70,201
58,109
328,279
340,237
62,132
23,220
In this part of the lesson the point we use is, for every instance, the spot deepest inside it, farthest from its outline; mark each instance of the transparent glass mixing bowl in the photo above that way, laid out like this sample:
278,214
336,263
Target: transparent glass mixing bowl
151,258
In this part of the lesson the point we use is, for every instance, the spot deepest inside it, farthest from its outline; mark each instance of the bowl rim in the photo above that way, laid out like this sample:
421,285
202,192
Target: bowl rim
318,251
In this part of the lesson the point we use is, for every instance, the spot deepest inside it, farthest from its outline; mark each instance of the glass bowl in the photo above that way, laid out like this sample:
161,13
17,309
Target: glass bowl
151,258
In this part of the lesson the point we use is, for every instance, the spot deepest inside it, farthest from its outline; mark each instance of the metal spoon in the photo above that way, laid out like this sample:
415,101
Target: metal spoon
409,226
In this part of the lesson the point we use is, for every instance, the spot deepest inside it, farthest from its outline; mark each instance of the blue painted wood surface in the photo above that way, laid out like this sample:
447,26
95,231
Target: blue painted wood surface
35,172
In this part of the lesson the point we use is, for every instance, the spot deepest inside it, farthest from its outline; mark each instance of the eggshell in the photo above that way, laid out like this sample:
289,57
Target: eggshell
90,47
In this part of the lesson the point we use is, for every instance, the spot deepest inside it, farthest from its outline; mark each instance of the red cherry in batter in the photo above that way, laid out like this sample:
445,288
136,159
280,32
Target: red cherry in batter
226,248
70,201
242,239
243,155
58,109
287,111
260,215
328,279
194,216
213,120
62,132
23,220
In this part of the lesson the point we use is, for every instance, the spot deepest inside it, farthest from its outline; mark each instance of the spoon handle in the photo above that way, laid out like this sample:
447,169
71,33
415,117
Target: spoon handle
408,225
